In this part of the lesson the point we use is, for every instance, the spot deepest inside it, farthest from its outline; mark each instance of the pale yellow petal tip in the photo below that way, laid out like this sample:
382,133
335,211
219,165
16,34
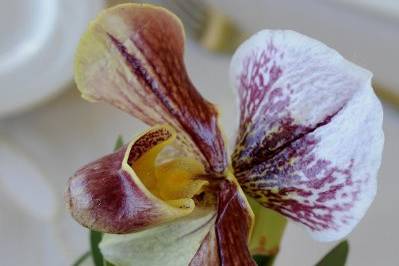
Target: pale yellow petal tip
87,97
92,46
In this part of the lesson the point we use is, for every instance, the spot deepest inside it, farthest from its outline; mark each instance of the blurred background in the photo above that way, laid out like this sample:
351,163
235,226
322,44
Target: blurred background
47,131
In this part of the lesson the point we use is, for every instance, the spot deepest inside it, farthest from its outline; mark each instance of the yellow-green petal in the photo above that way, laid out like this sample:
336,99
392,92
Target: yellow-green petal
268,230
172,244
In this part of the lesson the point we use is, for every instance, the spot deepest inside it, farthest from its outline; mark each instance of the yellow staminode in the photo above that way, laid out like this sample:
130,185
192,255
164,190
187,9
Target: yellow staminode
178,178
174,181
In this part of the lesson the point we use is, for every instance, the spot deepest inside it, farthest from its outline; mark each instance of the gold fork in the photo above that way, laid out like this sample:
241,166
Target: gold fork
218,33
208,26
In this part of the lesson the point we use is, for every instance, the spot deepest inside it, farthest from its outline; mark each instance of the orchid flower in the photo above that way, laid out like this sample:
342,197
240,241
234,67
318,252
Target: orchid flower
308,144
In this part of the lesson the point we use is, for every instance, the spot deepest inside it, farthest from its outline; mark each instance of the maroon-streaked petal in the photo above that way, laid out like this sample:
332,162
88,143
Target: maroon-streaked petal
132,57
106,195
228,243
310,135
234,225
207,236
208,252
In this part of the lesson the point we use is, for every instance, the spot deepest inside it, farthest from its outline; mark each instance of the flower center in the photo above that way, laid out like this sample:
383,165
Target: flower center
178,178
172,180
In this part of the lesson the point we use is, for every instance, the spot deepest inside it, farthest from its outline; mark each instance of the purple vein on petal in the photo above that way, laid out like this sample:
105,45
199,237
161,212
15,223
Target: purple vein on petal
196,120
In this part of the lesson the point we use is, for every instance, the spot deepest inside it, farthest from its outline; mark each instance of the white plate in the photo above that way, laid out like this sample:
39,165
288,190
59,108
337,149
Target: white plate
38,39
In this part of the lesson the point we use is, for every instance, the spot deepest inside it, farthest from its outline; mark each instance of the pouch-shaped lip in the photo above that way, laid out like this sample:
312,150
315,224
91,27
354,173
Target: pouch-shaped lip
107,195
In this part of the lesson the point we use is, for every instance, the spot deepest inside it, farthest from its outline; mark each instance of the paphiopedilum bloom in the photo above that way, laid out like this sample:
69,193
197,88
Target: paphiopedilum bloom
308,145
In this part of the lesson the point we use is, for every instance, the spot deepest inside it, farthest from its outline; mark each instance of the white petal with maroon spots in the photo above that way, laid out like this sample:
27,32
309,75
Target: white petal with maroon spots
310,137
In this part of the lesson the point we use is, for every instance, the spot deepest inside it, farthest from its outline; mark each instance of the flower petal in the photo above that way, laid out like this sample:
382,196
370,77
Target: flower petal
171,244
208,252
234,225
204,237
108,196
310,136
268,230
227,244
132,57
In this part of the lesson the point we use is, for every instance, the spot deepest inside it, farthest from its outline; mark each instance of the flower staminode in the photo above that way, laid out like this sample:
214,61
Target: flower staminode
172,180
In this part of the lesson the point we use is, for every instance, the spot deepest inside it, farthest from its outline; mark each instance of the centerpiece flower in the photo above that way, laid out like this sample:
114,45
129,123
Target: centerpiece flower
308,144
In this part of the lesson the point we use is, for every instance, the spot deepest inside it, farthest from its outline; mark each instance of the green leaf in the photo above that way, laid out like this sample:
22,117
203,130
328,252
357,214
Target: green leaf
118,143
337,256
263,260
106,263
82,258
95,239
98,259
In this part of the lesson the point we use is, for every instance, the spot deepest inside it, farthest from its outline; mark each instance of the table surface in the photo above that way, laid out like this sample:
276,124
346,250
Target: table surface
68,132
